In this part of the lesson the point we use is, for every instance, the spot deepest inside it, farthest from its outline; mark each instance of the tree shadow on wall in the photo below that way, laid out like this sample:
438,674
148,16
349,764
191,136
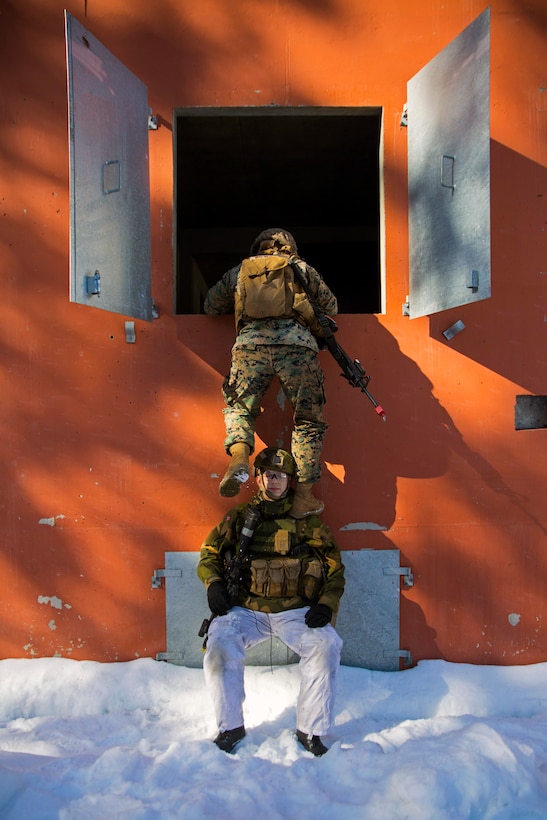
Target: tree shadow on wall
506,332
362,457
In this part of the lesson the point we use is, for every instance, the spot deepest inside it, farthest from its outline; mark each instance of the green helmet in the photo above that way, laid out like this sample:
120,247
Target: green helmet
273,458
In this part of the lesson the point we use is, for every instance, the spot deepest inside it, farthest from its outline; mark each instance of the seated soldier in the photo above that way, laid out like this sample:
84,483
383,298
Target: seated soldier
268,574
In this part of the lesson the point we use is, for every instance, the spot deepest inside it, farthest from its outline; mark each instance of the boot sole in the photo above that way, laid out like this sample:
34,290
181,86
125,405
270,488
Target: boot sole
232,485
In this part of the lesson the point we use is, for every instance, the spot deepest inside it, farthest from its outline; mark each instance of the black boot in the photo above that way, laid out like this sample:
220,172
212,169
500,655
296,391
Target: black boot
311,744
228,740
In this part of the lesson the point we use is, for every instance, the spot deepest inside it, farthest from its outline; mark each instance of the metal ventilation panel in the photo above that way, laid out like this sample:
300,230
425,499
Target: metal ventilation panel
368,621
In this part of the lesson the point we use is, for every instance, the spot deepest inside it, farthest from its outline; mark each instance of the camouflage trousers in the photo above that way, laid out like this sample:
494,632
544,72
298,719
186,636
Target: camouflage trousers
301,378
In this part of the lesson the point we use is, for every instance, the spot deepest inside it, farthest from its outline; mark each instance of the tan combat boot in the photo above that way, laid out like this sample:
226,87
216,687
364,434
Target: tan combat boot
238,470
304,502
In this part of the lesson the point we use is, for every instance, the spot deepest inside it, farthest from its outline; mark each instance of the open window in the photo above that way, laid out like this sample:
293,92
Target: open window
313,171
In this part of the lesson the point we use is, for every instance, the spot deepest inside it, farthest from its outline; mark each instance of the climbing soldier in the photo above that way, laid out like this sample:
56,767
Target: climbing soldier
276,328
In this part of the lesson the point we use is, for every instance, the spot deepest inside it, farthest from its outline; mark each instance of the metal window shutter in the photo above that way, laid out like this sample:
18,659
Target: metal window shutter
449,174
110,259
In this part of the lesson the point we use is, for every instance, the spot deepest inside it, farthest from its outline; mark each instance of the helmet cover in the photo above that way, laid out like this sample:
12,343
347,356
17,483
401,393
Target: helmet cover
274,240
273,458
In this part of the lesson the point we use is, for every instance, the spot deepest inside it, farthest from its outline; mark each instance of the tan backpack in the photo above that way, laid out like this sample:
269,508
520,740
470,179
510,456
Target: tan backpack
266,289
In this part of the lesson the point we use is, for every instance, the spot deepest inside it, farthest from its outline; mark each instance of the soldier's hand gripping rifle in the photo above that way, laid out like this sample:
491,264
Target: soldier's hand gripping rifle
352,369
234,566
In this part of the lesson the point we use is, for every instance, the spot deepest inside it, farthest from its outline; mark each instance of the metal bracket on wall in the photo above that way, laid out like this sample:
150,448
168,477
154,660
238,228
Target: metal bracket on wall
170,657
405,572
406,307
130,337
404,654
404,116
152,121
164,573
451,331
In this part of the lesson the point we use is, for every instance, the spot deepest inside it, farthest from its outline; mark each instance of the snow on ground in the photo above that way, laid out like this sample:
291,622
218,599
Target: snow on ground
82,740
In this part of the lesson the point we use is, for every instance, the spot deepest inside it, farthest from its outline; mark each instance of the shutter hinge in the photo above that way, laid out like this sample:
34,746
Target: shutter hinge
406,307
153,124
404,116
164,573
404,572
404,654
170,657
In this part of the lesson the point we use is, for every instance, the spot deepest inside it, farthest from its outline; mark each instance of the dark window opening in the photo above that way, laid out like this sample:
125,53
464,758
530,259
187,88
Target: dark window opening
313,171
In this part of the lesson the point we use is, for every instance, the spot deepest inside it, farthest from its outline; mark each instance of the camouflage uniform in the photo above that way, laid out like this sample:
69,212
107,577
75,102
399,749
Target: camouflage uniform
305,567
309,539
280,347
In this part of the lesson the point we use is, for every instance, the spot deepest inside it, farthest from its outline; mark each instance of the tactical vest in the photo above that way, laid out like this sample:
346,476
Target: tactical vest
266,290
282,564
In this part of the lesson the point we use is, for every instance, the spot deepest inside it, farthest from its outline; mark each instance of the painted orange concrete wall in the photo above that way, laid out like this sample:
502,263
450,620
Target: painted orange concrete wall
111,451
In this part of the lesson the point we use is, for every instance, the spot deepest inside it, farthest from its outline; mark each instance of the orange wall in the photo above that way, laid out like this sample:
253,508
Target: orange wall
111,452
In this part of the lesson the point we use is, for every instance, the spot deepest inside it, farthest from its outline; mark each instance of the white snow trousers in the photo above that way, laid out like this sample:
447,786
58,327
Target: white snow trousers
319,650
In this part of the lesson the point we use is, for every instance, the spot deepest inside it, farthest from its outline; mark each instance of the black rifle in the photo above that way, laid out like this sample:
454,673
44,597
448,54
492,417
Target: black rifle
234,566
352,369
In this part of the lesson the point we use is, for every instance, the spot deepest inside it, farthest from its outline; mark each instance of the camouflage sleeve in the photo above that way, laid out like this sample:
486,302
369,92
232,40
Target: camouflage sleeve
323,542
320,291
213,550
220,298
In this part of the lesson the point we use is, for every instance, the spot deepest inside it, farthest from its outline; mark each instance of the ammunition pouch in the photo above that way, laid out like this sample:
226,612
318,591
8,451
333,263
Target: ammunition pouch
287,577
313,578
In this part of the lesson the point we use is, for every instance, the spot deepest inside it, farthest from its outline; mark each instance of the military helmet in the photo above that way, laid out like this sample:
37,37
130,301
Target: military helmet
274,240
273,458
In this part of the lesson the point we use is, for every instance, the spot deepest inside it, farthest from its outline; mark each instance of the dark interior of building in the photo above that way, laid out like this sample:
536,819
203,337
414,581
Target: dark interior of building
313,171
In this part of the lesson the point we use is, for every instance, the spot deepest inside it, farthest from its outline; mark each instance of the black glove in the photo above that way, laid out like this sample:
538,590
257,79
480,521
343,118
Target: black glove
218,598
318,615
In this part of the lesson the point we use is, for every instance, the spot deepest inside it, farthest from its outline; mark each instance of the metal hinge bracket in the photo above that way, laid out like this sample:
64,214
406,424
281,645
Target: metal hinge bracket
169,656
404,116
405,572
130,336
404,654
152,121
164,573
406,307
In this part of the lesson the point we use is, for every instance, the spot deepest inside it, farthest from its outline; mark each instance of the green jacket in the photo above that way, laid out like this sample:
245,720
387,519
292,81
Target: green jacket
290,563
